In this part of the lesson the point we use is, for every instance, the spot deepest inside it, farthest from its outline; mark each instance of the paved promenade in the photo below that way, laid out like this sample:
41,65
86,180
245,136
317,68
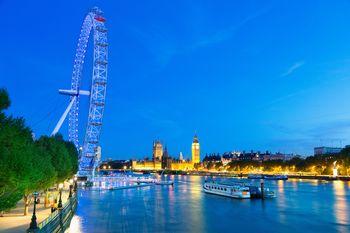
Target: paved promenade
14,221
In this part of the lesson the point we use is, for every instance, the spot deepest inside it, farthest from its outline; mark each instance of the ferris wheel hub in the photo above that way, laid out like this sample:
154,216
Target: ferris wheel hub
73,92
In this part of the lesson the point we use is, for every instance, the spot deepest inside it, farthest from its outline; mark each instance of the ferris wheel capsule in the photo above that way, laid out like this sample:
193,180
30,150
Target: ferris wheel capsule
100,19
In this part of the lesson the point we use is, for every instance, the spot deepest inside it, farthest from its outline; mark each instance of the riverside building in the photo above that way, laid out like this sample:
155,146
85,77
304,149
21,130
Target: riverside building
196,157
162,160
324,150
157,151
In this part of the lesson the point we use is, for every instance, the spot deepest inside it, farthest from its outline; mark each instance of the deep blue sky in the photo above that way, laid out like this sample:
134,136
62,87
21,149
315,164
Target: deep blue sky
262,75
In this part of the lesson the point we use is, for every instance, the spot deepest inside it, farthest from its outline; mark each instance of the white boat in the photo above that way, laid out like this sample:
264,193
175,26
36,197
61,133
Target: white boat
235,191
164,182
143,180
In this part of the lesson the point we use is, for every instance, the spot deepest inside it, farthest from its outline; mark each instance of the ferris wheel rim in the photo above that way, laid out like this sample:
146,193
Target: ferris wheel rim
94,21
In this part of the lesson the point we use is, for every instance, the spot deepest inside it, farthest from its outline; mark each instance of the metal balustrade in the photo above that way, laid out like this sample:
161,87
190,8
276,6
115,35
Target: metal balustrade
59,220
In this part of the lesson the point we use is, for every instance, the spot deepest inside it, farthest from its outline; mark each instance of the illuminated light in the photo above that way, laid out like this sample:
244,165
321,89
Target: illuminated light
335,169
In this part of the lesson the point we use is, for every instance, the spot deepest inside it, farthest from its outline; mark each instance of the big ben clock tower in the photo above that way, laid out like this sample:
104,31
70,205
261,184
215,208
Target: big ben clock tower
195,150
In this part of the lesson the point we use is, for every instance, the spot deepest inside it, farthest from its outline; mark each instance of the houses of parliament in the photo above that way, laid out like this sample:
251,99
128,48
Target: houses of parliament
162,160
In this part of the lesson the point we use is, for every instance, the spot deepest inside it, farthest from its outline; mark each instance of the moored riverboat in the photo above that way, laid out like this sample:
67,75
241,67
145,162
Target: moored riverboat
276,177
164,182
233,191
260,193
255,176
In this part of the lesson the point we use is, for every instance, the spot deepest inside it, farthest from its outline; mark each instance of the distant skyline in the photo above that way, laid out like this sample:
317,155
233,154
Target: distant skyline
243,75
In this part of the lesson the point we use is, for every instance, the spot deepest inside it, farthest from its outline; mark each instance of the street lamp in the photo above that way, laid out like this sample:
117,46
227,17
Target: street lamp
60,187
70,188
33,224
75,183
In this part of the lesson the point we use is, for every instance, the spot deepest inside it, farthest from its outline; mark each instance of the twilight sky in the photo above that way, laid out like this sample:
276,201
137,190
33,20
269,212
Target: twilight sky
261,75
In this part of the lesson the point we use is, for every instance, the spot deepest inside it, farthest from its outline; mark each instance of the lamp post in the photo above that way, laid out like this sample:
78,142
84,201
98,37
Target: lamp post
60,187
262,190
75,184
33,224
70,188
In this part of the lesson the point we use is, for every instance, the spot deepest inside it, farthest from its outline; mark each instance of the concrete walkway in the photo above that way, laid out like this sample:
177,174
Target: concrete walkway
14,221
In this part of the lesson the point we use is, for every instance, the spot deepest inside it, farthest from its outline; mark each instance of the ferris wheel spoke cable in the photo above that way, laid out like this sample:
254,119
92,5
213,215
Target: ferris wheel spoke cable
36,112
49,113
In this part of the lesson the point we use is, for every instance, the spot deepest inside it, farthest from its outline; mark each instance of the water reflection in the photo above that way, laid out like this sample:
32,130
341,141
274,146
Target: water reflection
280,184
281,200
341,206
75,225
306,206
294,184
196,219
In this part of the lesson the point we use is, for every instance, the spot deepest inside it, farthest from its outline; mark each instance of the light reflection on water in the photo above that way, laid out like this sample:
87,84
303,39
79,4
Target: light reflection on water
300,206
281,200
340,206
75,225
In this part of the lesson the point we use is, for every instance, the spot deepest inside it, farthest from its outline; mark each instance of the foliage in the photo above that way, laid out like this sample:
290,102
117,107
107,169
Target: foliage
62,157
27,165
212,157
73,155
4,100
15,157
320,164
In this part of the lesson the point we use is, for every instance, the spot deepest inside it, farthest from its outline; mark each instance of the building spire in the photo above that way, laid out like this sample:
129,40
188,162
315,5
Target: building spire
195,138
195,149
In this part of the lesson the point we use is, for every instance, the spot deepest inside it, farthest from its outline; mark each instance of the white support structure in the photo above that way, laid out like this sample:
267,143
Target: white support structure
64,115
73,92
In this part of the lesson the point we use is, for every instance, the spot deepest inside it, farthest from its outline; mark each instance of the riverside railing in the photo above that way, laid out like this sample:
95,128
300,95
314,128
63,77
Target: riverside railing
59,220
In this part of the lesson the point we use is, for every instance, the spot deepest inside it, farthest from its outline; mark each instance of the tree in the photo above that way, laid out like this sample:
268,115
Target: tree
73,154
16,168
27,166
4,99
56,150
23,168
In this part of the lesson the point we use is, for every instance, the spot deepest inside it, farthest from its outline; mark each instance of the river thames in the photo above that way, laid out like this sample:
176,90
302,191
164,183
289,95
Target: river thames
299,206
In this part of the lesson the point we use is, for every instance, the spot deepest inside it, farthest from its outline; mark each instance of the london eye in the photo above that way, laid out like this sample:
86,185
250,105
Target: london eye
93,26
